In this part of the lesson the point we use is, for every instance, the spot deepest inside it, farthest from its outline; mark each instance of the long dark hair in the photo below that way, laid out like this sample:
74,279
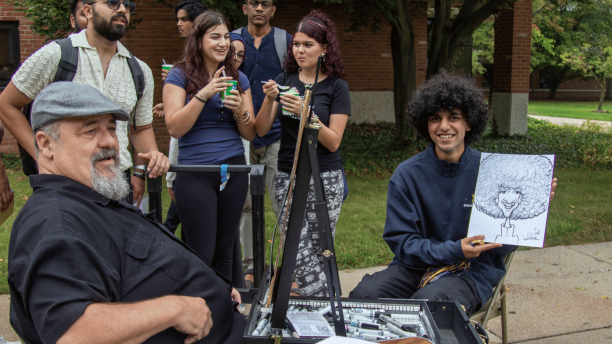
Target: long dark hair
192,62
323,30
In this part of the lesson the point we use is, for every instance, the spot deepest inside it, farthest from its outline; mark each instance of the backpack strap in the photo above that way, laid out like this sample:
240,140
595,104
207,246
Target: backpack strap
69,61
280,43
139,82
238,31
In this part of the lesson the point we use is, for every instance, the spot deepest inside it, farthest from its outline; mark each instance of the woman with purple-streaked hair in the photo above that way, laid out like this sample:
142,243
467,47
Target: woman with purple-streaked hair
314,36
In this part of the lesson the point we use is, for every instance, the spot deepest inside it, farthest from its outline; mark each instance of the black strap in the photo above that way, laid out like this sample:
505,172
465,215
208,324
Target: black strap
68,62
139,82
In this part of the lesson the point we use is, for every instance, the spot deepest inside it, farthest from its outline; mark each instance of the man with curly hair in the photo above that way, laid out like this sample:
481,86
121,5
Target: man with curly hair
429,204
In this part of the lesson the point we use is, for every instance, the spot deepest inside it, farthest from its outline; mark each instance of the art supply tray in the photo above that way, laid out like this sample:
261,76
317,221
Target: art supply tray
444,321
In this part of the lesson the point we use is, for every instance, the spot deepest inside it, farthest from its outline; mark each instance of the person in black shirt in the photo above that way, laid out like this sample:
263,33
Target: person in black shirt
314,37
86,267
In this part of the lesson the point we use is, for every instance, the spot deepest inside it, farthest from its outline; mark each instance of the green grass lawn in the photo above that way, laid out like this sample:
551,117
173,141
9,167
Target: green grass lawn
567,109
580,213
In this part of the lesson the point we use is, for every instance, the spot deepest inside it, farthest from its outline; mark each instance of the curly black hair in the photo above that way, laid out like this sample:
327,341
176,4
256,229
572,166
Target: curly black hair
446,91
193,7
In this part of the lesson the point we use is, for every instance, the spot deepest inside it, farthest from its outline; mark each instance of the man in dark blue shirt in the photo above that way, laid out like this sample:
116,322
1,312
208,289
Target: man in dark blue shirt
265,50
429,204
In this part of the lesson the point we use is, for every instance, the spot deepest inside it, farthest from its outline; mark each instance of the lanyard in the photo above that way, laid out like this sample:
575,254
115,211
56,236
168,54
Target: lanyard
224,177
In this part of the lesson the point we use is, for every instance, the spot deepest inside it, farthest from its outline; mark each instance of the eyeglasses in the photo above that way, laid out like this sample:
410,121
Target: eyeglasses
240,56
115,4
264,4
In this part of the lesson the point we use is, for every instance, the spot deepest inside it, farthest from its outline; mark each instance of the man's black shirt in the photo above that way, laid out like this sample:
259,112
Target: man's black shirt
71,247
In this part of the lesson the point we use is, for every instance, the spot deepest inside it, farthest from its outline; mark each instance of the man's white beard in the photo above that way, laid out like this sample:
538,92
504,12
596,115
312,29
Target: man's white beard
115,187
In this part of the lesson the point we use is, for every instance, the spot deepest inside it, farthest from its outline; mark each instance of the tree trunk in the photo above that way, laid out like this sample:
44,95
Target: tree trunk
601,99
554,86
441,51
448,38
404,71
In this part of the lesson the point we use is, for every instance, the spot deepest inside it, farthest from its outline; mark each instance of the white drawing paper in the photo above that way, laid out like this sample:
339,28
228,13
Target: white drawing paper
512,199
310,324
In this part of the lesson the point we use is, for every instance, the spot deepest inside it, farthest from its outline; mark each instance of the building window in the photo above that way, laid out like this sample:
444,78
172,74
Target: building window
9,51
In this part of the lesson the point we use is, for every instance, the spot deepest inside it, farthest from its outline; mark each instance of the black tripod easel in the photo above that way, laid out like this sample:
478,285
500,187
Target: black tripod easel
308,165
305,167
257,172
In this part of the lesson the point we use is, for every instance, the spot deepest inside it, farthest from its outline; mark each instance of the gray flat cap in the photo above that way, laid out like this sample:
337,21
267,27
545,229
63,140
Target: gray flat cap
70,99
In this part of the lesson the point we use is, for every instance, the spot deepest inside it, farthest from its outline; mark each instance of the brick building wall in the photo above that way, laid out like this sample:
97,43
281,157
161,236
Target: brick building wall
29,43
575,89
366,56
513,49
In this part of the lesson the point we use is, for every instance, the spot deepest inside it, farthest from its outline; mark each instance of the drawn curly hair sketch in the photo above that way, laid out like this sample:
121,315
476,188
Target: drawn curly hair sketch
513,187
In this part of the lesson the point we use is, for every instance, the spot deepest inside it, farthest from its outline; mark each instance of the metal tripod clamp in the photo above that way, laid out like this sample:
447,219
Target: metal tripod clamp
314,123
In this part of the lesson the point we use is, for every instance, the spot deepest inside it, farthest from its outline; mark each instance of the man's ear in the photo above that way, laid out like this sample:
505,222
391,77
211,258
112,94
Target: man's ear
87,12
46,146
273,11
72,21
244,9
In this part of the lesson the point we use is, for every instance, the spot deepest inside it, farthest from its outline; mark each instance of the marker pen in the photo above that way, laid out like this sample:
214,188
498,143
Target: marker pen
399,332
291,329
325,310
362,324
266,330
262,324
366,312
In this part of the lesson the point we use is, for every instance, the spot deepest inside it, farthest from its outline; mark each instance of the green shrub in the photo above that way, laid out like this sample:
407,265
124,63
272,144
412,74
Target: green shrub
364,146
11,160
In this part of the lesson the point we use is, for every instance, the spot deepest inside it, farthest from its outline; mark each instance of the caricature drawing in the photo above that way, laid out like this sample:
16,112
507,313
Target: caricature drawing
513,187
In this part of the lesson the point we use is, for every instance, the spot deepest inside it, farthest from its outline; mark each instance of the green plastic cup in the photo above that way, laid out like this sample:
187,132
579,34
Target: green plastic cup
227,91
287,112
167,67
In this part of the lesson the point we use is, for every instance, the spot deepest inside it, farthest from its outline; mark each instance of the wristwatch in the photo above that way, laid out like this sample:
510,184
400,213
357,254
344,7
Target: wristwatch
140,167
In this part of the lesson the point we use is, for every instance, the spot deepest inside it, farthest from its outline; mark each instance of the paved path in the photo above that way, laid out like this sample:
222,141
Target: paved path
555,296
570,121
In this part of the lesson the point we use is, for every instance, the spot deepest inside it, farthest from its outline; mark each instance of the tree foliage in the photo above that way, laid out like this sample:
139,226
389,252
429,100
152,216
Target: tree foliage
51,18
484,44
482,47
595,61
565,25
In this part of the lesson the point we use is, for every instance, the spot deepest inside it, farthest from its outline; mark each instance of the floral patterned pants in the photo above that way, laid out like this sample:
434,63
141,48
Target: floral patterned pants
309,270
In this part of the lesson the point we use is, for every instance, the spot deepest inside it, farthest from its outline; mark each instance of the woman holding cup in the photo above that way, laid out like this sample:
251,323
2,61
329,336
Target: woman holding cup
314,37
209,109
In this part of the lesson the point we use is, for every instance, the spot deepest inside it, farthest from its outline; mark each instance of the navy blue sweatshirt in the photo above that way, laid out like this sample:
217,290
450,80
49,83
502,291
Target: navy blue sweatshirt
428,211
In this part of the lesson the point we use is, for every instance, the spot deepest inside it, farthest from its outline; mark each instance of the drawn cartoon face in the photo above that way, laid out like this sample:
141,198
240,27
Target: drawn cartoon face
508,200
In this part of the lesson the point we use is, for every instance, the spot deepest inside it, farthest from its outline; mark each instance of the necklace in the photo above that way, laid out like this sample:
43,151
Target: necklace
306,86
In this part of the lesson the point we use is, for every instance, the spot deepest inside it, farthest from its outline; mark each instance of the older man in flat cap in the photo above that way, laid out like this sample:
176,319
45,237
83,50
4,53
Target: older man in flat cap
86,267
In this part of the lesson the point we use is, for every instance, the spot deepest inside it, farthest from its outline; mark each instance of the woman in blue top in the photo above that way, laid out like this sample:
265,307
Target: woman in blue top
209,130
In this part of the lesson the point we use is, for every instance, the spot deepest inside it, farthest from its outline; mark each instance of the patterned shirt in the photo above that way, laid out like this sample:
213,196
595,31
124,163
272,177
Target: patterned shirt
38,71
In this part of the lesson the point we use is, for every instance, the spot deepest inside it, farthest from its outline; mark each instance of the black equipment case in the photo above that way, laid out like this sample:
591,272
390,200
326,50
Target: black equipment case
448,322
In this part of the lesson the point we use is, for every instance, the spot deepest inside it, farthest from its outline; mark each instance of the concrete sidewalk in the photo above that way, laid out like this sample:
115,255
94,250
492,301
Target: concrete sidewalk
556,295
